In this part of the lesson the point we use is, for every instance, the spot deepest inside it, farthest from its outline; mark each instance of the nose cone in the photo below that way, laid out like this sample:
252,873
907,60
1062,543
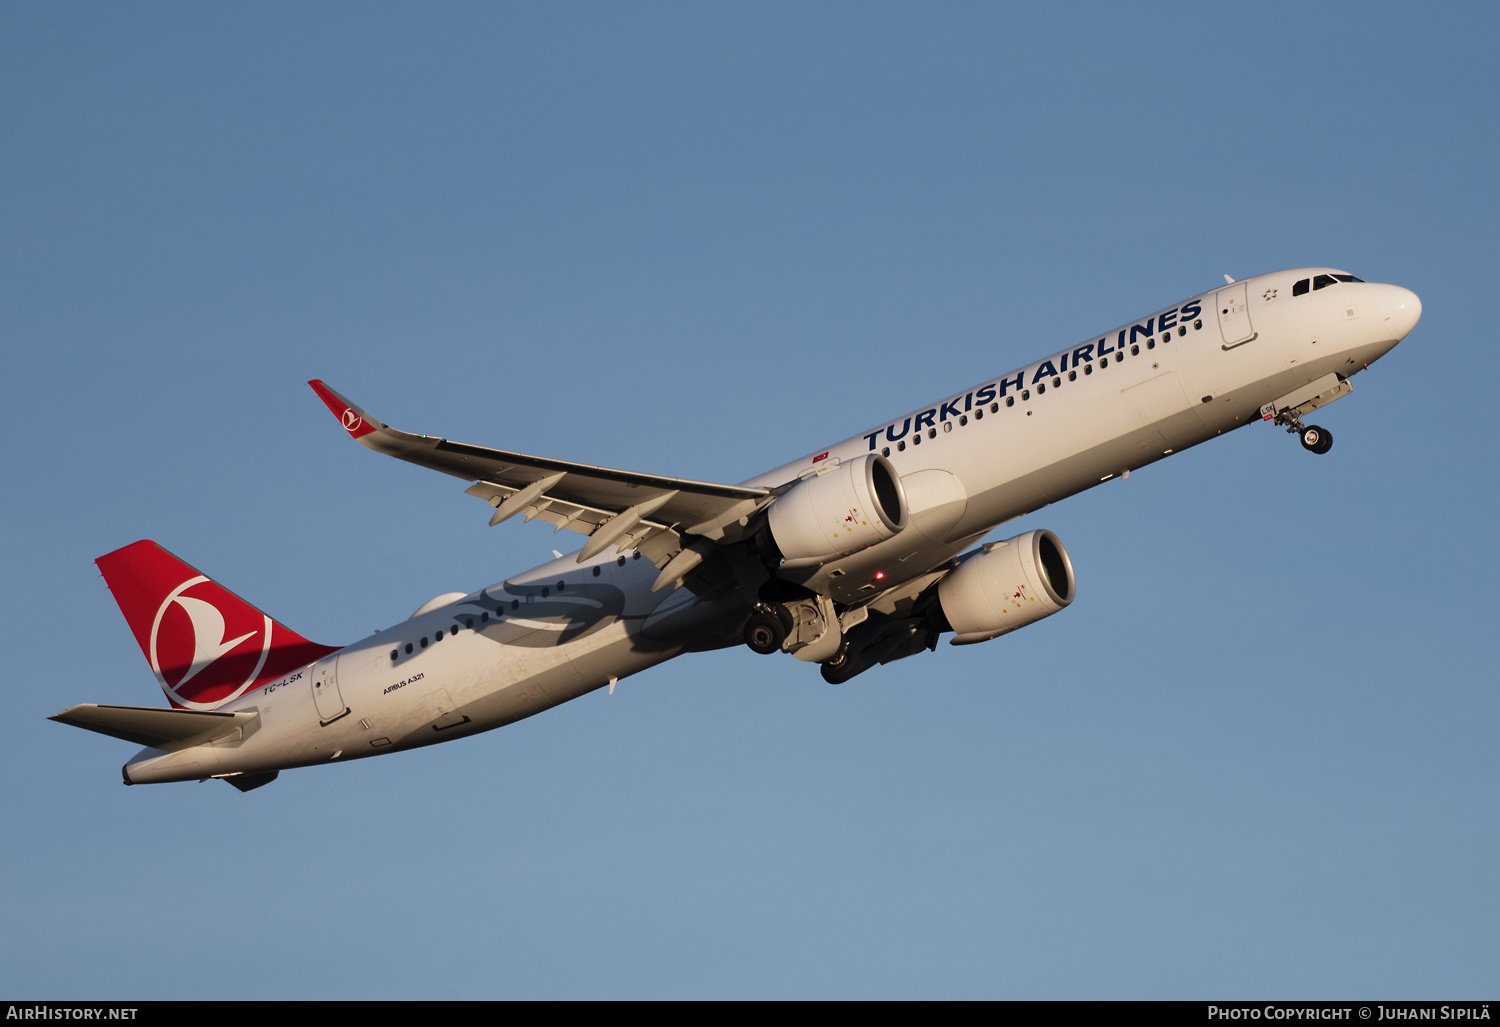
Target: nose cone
1402,310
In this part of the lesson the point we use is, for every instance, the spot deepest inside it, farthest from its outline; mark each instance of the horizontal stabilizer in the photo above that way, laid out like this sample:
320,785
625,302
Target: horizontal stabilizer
152,725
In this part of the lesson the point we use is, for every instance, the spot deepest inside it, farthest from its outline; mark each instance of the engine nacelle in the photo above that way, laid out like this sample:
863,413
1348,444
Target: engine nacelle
857,504
1006,585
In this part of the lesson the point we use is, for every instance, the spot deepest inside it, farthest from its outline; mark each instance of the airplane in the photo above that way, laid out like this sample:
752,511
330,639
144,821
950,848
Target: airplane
861,552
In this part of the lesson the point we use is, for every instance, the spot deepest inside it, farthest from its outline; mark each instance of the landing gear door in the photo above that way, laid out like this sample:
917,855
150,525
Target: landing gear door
1234,316
325,687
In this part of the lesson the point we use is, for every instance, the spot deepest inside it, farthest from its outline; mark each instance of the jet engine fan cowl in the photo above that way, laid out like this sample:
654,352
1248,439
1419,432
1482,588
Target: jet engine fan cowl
841,511
1006,585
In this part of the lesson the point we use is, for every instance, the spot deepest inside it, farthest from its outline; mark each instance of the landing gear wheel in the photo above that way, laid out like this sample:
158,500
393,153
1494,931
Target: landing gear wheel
1316,439
840,667
764,632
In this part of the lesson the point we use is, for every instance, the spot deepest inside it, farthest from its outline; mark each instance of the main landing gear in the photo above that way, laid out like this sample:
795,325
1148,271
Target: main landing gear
767,628
840,667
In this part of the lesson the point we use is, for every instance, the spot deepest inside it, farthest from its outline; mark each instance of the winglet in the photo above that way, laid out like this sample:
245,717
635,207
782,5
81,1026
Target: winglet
355,421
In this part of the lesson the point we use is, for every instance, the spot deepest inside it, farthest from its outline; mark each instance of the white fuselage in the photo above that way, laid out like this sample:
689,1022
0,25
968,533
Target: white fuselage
1003,448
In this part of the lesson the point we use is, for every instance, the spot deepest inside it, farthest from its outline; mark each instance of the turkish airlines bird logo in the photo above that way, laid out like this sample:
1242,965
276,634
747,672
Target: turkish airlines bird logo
351,420
200,660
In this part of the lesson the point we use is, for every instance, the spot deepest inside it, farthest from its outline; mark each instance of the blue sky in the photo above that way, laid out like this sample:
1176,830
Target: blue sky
1255,757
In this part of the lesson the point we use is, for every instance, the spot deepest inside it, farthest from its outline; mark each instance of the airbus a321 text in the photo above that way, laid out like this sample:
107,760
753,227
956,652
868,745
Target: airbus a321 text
862,552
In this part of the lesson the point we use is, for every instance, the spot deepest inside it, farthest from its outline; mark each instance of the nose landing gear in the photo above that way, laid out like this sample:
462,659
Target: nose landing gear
1288,410
1315,439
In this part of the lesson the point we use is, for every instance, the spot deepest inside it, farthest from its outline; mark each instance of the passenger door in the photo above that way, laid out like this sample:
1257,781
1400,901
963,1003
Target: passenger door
1234,316
325,687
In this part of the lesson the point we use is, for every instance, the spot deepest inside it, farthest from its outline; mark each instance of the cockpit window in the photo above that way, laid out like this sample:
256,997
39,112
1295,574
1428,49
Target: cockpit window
1321,282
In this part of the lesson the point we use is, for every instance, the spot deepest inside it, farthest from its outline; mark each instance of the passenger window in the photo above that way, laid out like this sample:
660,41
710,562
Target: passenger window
1026,394
1056,382
394,654
901,447
979,414
1072,376
1088,368
424,641
1301,287
596,572
1039,390
1010,401
916,439
886,451
947,426
408,647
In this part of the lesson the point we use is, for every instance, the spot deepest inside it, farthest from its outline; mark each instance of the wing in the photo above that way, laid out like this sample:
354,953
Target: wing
647,512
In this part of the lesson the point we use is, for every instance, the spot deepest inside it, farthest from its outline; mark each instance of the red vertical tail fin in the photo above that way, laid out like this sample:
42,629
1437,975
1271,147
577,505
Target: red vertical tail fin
205,644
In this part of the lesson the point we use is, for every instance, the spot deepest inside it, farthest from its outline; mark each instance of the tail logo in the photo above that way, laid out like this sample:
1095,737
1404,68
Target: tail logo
206,627
351,420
